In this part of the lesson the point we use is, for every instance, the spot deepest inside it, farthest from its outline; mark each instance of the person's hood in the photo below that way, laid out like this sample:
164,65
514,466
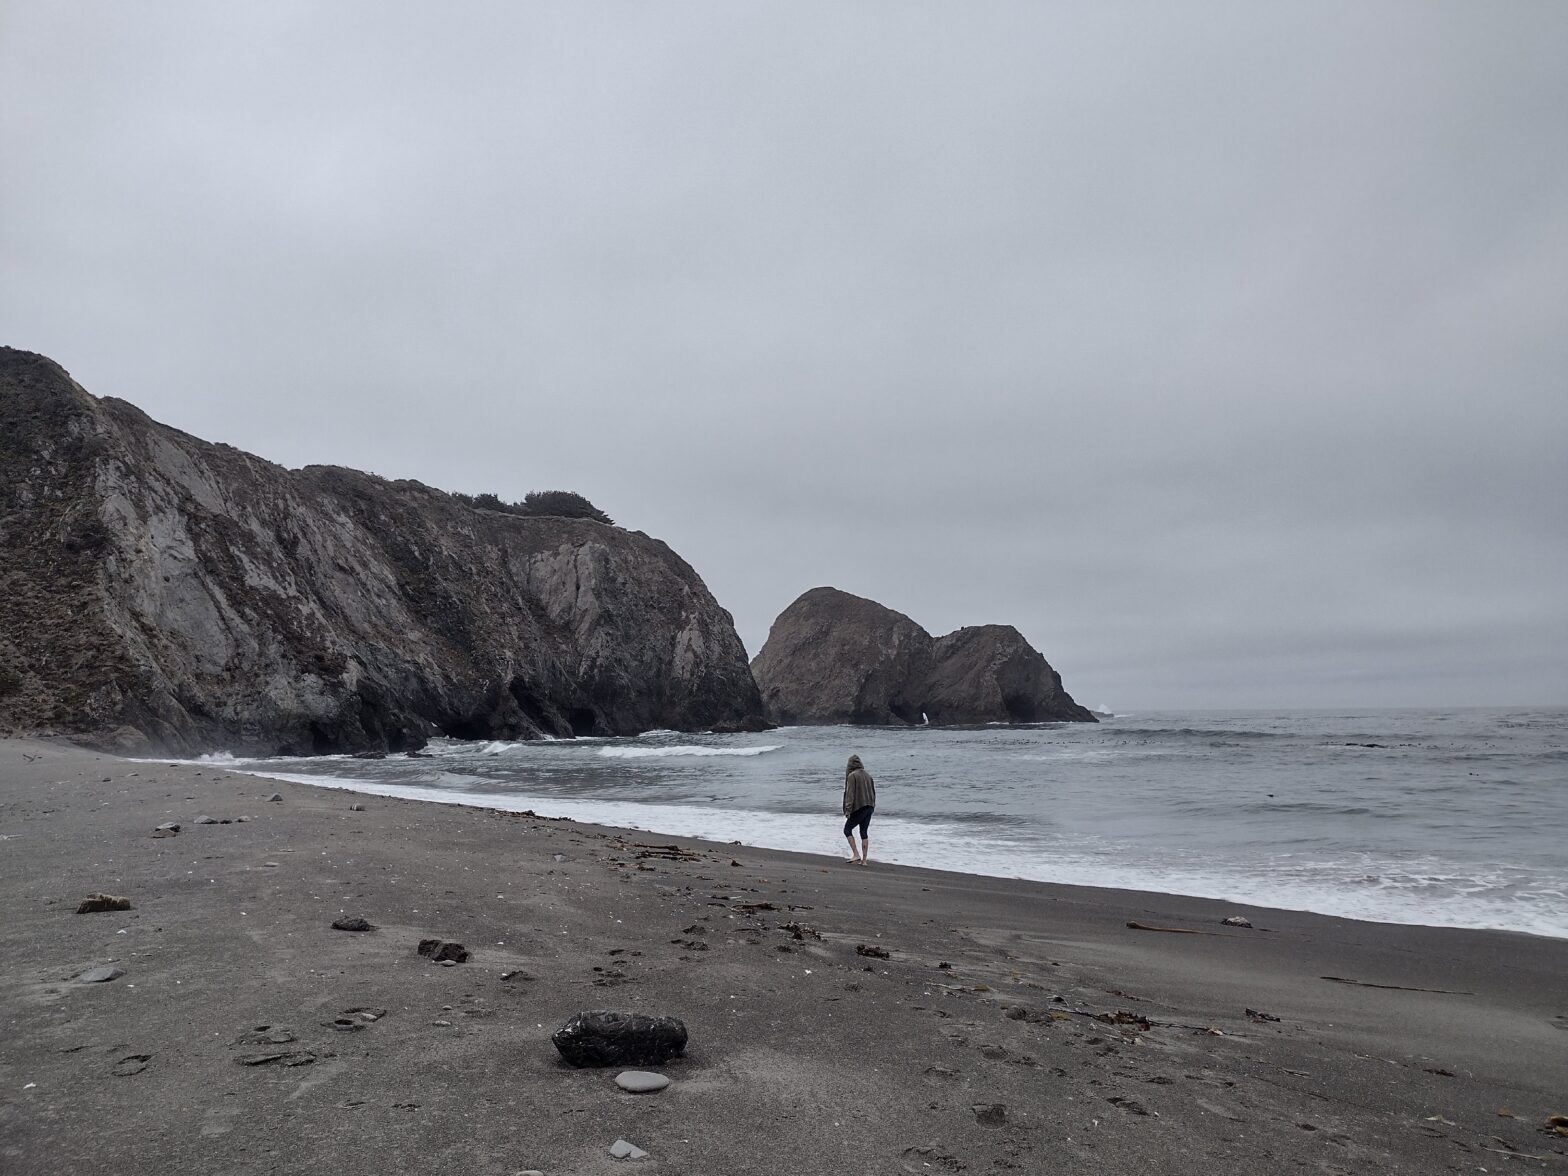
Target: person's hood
854,764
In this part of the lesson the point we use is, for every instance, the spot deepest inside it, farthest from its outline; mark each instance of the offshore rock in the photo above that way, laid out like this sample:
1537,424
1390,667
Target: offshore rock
836,658
158,591
603,1038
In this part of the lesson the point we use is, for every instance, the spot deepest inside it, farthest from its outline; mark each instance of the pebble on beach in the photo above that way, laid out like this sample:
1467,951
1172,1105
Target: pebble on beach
623,1150
641,1081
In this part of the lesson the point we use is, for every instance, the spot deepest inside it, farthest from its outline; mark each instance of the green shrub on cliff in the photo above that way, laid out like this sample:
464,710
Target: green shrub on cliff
562,504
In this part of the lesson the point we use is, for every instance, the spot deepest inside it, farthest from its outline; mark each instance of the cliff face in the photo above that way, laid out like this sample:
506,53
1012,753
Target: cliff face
836,658
160,591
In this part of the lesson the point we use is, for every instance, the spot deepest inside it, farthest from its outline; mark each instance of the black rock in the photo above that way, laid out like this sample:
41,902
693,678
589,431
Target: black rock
442,951
604,1038
352,923
102,902
750,725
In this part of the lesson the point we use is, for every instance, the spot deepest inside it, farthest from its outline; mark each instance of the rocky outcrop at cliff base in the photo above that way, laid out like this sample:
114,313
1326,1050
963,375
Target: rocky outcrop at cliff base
836,658
157,591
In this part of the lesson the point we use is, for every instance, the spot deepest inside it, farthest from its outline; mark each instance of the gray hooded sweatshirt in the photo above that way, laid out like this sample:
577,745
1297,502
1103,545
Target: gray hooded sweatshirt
859,789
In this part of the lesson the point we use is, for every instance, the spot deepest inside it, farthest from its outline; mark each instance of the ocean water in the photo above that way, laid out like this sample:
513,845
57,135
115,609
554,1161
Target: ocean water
1455,818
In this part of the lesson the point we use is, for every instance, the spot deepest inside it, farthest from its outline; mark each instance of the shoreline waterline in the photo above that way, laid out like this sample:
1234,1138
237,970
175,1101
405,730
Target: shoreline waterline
895,842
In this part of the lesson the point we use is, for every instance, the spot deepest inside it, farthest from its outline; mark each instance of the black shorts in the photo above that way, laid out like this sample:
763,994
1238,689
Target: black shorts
861,817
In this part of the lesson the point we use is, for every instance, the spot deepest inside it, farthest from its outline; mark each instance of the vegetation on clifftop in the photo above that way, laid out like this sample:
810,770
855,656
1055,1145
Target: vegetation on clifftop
563,504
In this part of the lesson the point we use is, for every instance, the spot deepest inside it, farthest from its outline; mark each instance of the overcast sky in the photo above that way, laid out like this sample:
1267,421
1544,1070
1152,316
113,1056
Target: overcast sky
1220,347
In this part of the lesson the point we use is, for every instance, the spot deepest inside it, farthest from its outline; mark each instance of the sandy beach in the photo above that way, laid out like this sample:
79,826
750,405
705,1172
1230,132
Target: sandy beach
875,1020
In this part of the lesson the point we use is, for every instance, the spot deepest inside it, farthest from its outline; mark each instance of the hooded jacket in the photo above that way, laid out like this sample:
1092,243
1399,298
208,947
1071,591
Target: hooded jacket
859,789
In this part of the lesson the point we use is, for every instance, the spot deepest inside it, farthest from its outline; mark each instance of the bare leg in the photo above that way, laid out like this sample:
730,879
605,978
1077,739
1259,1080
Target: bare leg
865,850
853,856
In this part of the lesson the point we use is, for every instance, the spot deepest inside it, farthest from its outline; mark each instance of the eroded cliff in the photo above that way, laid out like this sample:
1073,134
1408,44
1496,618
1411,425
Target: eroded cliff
160,591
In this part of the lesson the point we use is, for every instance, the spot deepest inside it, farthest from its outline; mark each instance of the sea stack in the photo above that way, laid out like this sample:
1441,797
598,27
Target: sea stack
161,592
832,657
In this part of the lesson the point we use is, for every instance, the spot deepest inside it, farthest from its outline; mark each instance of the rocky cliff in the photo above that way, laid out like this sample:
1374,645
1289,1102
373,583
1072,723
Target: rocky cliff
157,591
836,658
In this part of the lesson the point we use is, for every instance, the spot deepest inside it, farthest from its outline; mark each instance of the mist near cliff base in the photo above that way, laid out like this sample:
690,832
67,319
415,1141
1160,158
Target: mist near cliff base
1221,349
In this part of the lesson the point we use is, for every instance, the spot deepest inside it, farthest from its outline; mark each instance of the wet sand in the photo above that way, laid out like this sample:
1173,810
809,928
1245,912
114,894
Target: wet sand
1107,1049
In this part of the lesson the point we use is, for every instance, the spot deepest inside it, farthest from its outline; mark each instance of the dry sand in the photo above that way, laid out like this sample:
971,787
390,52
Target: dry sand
805,1056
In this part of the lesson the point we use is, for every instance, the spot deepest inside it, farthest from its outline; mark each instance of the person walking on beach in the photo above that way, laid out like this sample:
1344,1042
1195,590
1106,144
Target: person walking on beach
860,800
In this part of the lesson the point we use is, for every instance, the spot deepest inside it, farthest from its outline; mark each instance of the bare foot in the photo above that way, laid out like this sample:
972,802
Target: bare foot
852,861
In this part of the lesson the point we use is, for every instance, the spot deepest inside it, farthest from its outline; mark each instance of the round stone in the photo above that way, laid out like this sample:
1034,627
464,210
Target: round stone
640,1081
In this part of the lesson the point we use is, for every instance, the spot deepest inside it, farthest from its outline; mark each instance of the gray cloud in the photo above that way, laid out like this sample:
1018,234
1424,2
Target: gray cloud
1221,348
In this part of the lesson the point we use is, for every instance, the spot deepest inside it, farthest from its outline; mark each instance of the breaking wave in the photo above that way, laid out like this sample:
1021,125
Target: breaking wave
690,749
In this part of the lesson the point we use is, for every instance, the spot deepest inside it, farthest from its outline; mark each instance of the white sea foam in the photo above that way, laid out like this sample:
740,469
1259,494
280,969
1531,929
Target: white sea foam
687,749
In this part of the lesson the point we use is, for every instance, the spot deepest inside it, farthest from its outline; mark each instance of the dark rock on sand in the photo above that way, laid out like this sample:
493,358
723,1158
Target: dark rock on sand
832,657
164,592
442,951
167,829
94,903
604,1038
355,923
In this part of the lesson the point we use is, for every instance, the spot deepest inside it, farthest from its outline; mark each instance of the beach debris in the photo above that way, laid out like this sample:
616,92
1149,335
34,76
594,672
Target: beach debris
801,931
671,853
871,951
130,1064
733,862
1440,1072
1131,1105
1123,1017
1556,1124
1237,921
558,857
751,908
352,923
1394,987
1256,1015
517,974
1169,930
99,975
276,797
601,1037
1440,1119
1505,1113
167,829
356,808
96,902
290,1058
623,1150
641,1081
442,951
